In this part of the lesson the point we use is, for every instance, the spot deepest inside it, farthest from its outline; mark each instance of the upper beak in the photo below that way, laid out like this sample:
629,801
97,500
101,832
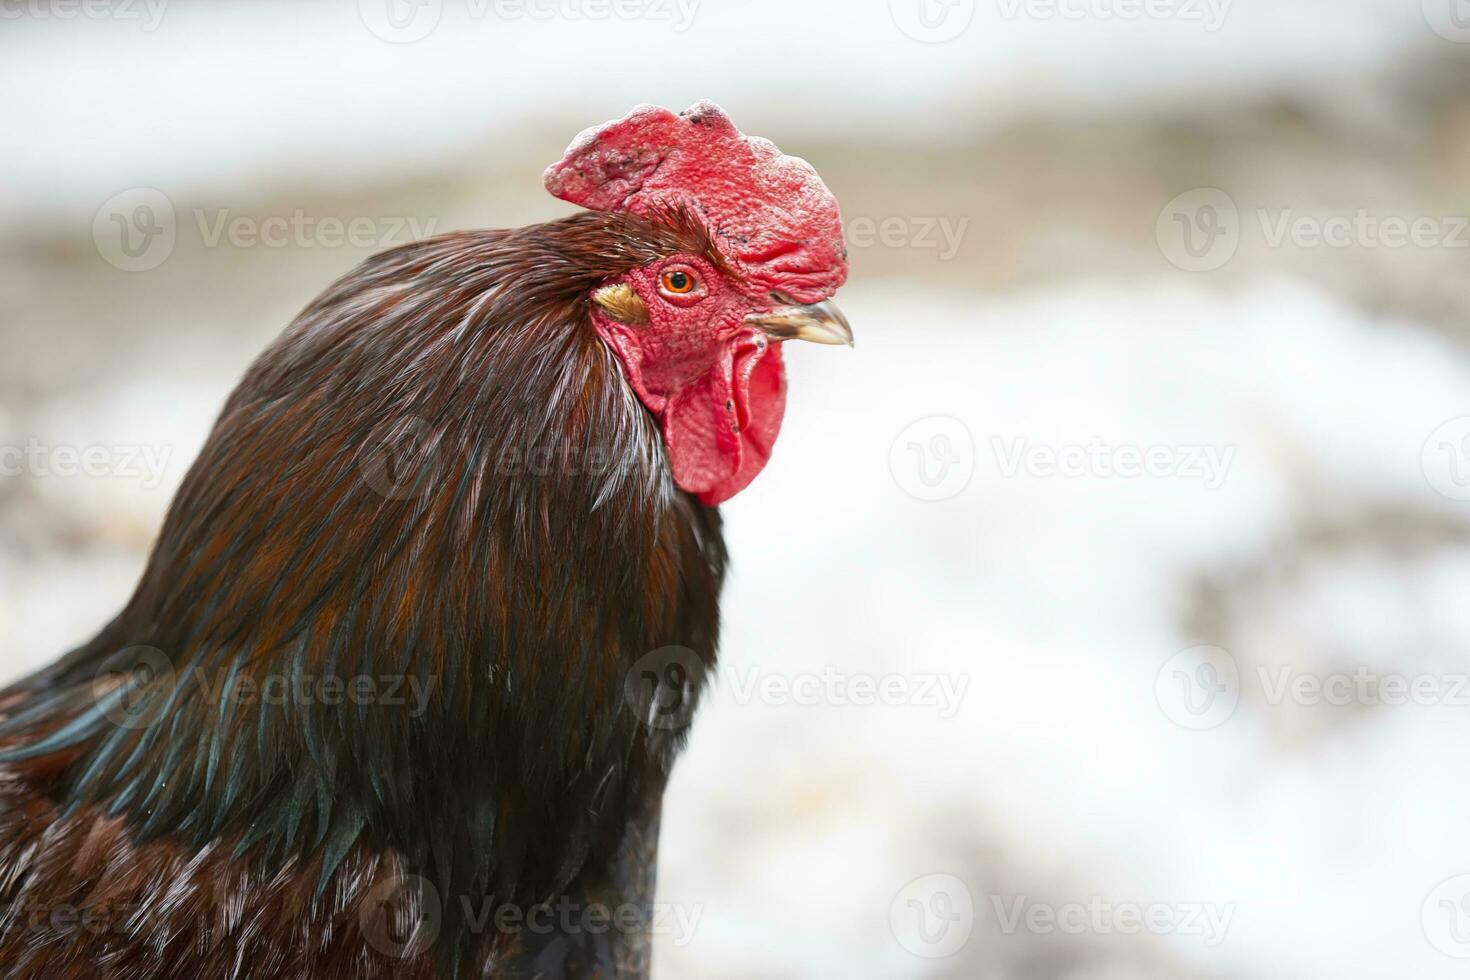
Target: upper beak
821,323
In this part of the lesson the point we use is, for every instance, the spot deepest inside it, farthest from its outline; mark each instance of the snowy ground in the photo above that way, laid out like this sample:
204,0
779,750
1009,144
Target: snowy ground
1316,831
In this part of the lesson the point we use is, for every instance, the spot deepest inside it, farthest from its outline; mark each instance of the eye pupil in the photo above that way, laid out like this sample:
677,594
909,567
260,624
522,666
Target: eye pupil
679,281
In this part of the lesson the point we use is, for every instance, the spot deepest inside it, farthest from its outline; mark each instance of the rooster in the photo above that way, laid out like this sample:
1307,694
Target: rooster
398,693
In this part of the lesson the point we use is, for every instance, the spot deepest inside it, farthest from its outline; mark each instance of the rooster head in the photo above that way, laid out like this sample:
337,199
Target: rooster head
698,333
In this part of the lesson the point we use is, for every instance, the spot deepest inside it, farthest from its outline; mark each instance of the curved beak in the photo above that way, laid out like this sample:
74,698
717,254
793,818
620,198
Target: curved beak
820,323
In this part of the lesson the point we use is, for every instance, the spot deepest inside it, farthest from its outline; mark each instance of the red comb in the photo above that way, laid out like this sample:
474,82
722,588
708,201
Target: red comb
770,214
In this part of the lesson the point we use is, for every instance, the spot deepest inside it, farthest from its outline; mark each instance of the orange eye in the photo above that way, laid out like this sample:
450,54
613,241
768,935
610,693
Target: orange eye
679,282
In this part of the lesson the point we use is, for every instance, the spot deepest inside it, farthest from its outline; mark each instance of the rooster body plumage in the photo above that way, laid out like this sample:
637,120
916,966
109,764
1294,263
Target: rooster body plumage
531,547
401,685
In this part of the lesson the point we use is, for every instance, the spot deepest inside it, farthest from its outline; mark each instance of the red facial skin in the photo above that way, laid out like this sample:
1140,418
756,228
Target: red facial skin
716,384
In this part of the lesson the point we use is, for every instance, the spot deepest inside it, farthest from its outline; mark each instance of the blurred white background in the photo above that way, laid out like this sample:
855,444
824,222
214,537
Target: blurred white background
1101,614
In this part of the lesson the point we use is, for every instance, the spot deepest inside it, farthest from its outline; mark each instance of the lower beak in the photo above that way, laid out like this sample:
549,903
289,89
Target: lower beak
820,323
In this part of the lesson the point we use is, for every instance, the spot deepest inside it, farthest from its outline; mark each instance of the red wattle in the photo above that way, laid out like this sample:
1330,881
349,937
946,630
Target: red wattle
720,429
